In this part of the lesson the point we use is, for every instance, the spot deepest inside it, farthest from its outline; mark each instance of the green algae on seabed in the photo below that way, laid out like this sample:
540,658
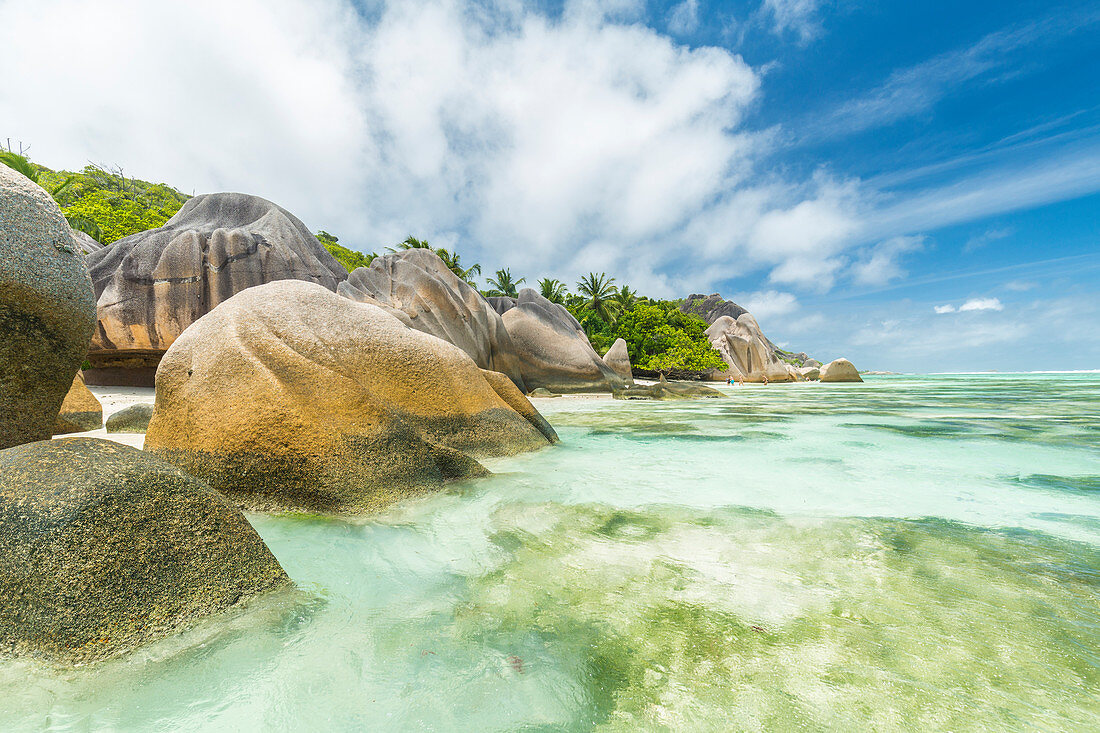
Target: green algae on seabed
738,620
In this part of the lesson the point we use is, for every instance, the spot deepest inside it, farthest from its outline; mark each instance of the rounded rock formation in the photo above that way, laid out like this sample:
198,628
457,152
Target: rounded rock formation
133,419
746,351
839,370
80,411
152,285
553,350
104,547
47,311
422,292
288,396
618,358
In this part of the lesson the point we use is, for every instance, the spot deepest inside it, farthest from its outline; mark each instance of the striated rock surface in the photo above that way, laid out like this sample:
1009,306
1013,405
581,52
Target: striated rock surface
419,289
746,350
553,350
104,547
839,370
80,411
618,358
288,396
152,285
133,419
47,311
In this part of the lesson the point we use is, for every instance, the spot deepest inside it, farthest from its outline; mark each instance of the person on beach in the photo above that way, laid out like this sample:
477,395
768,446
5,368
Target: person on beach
740,380
765,379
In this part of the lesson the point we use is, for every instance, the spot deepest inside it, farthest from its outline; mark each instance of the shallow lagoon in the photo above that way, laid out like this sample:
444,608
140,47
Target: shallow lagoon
910,553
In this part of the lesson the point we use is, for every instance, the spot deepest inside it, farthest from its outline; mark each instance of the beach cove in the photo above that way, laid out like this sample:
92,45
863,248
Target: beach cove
914,552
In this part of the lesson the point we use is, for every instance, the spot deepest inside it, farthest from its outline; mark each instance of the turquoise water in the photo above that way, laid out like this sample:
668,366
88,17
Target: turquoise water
905,554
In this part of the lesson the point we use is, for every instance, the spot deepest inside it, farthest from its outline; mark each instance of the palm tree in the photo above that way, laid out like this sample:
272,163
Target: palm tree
410,242
453,261
599,292
553,290
626,298
503,284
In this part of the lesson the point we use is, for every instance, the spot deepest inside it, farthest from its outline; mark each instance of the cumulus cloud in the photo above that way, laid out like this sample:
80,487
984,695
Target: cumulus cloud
767,304
974,304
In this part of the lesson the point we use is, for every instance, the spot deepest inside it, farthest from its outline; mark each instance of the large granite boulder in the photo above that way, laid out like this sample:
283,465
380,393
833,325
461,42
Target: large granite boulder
553,350
288,396
80,411
152,285
47,311
746,350
422,292
618,358
104,547
839,370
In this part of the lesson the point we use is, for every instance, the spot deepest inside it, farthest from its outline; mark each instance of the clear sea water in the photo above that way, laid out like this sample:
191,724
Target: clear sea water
912,553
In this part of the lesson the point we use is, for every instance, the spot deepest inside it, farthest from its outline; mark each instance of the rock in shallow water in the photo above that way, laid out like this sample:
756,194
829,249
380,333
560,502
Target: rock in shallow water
133,419
80,411
47,311
104,547
839,370
665,390
288,396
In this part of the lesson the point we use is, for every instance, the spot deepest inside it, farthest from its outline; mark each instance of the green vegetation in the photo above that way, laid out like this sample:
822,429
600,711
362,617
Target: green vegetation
503,285
349,258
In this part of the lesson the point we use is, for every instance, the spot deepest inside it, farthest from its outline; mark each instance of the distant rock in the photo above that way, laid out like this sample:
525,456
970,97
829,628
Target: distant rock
152,285
665,390
501,304
422,292
746,350
104,547
47,311
840,370
553,350
618,358
810,372
711,307
133,419
288,396
543,392
80,412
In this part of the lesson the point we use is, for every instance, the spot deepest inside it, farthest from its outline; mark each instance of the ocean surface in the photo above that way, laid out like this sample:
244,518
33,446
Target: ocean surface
912,553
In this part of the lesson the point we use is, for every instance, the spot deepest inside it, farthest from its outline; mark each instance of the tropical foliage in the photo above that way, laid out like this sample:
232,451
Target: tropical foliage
502,284
553,290
349,258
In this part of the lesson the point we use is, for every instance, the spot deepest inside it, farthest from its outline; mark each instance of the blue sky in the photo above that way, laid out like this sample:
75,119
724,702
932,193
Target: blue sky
915,186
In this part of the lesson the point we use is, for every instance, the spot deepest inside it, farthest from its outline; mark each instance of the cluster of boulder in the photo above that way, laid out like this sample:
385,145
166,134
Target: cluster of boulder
750,356
272,392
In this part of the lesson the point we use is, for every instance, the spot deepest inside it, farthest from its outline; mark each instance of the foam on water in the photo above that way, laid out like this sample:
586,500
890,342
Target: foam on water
909,553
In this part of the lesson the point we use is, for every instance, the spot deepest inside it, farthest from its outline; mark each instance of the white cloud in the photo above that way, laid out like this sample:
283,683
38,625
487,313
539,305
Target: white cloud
1020,286
981,304
945,308
880,264
767,304
683,18
798,16
990,235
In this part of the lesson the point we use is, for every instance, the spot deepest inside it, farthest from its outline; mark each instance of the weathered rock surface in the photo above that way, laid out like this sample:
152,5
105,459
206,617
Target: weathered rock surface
745,349
133,419
85,243
810,372
553,350
618,358
665,390
840,370
104,547
711,307
501,303
152,285
80,411
47,311
419,289
542,392
288,396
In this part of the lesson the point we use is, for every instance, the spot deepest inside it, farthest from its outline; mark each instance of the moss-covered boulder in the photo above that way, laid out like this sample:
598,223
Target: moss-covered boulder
288,396
47,311
104,547
133,419
80,411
